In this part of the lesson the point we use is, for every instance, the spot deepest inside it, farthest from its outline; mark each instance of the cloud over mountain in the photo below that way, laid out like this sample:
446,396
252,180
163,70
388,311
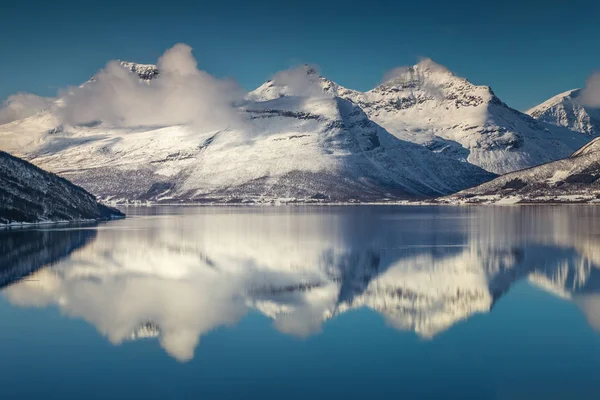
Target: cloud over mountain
183,95
22,105
590,95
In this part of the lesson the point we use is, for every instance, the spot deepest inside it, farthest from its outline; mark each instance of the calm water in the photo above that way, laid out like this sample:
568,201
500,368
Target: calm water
296,303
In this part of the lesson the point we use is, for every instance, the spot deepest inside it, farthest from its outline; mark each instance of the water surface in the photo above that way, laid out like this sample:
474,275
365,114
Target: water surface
305,302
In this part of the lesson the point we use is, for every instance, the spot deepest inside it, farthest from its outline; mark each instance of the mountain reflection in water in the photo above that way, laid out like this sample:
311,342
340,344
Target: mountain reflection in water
22,252
177,273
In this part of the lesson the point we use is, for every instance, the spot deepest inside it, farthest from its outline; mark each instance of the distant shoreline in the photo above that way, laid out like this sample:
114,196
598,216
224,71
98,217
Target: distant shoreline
83,222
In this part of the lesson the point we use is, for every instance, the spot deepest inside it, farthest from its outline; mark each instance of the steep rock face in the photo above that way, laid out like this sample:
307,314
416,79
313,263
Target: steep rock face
574,179
566,110
29,194
146,72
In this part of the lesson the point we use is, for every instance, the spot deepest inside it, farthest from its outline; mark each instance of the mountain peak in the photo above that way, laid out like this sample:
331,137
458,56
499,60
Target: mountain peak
428,65
146,72
302,81
569,95
426,69
310,70
565,109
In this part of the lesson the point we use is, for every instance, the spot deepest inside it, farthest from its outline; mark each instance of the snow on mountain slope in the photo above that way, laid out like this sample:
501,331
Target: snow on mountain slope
574,179
589,148
566,110
427,104
31,195
297,148
326,145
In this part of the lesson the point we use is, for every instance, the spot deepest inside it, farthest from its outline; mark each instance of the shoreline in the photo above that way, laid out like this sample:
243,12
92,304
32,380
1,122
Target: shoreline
27,225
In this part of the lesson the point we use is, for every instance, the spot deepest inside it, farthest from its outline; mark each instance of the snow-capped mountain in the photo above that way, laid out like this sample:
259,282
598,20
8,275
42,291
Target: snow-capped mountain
30,195
428,105
291,148
298,137
307,147
573,179
566,110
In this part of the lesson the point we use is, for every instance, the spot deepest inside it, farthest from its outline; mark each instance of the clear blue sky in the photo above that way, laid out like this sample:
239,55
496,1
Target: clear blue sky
526,50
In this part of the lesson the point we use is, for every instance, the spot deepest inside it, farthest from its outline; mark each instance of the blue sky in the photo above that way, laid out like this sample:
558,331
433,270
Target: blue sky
526,50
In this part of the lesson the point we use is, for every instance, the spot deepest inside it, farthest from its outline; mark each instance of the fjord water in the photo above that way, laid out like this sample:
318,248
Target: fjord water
305,302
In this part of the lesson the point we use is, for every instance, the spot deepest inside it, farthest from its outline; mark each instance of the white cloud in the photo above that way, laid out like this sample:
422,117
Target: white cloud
22,105
396,73
182,95
410,74
302,81
590,95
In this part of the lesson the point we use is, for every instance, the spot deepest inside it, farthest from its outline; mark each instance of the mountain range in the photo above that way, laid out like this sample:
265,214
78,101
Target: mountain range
427,104
424,132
